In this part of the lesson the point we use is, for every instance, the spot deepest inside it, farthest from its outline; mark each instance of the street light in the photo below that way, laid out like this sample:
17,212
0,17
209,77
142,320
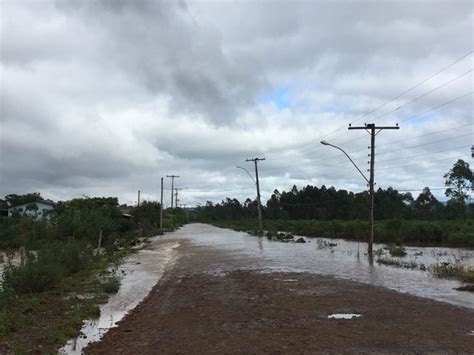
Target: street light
370,182
248,173
347,155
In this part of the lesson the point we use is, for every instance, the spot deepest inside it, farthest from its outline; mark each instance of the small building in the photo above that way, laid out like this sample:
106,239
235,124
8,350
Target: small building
35,209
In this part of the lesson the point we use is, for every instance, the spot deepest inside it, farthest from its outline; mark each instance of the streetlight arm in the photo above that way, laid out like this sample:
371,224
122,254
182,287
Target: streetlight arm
250,176
347,155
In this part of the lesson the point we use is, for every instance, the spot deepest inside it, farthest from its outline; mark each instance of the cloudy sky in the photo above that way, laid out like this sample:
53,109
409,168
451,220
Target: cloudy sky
104,97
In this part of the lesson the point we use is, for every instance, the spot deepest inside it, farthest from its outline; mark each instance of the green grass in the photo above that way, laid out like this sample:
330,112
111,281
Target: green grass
43,321
111,285
453,271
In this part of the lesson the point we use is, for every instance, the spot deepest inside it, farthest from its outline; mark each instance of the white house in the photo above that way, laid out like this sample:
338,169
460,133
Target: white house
35,210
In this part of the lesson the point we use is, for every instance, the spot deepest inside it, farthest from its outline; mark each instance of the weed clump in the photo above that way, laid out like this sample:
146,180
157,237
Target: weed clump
111,285
453,271
397,250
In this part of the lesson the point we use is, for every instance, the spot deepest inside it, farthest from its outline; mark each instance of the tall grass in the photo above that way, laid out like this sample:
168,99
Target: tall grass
39,271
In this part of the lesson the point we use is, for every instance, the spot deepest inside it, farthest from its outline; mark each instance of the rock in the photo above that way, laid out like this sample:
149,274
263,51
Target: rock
468,288
300,240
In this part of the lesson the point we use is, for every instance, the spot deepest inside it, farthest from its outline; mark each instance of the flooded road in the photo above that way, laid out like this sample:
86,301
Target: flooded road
346,260
240,251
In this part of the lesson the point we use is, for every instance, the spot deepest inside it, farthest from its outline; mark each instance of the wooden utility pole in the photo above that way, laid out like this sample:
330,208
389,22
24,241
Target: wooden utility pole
161,206
138,201
259,204
172,187
373,130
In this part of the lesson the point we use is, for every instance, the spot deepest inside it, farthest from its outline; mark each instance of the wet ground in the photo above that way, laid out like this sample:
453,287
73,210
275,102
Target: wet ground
208,264
140,272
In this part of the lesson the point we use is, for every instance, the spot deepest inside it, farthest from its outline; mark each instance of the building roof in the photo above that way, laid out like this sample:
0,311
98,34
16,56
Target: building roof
46,202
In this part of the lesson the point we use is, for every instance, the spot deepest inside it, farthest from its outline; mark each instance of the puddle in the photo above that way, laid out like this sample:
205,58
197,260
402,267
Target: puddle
471,332
141,271
344,316
333,257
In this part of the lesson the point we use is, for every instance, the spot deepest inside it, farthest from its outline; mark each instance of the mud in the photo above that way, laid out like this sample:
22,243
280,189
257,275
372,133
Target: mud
192,310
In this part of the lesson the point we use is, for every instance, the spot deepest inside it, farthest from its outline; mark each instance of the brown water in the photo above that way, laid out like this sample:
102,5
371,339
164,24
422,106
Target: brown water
242,251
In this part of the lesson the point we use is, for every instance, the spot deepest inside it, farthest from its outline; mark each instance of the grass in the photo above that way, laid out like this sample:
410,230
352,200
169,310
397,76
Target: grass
453,271
401,264
41,322
111,285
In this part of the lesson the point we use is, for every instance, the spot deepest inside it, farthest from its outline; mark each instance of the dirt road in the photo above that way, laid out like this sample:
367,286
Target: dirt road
193,311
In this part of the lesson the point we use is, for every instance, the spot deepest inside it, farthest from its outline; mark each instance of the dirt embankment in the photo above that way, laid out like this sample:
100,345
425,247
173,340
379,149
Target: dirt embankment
190,311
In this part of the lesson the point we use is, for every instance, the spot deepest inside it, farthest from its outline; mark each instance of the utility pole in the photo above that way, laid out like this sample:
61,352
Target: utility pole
176,195
373,130
138,201
161,206
172,187
259,204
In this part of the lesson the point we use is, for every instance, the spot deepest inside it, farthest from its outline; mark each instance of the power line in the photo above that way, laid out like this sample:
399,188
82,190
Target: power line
406,119
419,155
358,159
416,85
425,94
439,106
383,105
419,163
383,144
423,144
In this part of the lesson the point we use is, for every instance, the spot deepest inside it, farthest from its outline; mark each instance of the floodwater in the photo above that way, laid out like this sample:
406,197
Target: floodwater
141,271
335,257
346,260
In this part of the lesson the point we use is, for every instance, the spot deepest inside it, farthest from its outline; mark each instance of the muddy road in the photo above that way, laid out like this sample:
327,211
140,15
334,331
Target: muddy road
220,300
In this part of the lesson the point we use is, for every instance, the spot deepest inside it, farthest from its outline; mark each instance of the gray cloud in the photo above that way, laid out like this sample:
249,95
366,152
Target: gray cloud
105,97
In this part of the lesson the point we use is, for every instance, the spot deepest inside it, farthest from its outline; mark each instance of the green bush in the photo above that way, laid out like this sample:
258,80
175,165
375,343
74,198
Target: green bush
36,273
396,250
111,285
462,238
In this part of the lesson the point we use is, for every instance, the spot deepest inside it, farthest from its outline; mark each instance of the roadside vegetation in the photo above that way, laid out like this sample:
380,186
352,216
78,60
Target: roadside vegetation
326,212
58,269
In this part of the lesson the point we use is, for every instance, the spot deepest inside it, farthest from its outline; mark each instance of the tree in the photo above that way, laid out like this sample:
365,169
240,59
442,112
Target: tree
426,205
459,181
15,200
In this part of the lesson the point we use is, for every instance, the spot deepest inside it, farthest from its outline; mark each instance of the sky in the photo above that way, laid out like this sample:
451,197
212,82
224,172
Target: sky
103,98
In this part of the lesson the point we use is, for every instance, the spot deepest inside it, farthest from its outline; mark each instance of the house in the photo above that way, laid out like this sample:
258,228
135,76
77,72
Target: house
35,209
126,211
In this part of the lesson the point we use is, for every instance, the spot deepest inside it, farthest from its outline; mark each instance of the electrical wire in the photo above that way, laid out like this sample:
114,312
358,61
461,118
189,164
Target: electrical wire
418,84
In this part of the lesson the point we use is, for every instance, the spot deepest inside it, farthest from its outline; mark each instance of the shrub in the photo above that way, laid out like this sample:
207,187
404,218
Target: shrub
36,273
111,285
396,250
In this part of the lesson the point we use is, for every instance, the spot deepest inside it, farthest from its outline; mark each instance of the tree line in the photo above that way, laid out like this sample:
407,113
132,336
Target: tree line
328,203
